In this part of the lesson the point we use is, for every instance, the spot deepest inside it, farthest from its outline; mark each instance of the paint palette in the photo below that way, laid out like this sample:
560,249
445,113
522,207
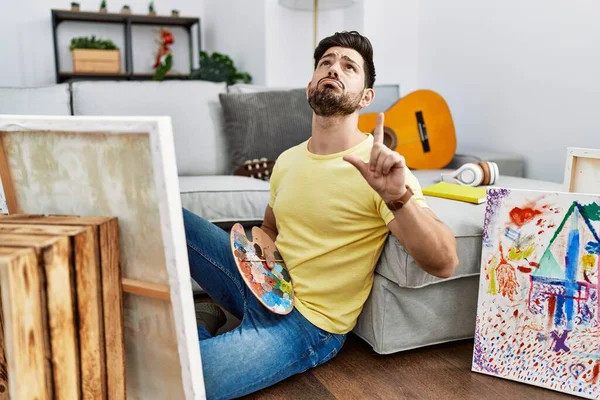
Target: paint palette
263,269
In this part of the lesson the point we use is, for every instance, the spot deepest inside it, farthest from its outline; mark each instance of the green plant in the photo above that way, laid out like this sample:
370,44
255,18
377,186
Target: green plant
92,43
151,6
75,4
103,4
218,67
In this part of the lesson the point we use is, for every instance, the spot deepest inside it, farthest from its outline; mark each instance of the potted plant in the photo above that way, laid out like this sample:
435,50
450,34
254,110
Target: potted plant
125,9
164,58
74,6
95,55
217,67
103,6
175,13
151,10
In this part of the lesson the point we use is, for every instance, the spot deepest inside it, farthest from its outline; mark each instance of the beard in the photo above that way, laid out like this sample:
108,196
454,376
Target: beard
325,102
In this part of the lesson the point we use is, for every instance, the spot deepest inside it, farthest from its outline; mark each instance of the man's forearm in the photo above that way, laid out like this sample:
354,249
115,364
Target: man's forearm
430,242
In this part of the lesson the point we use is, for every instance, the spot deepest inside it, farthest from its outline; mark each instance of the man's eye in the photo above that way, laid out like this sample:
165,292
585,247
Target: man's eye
351,67
325,63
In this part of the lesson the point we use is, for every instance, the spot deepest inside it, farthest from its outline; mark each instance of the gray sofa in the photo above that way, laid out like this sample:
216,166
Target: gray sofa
407,308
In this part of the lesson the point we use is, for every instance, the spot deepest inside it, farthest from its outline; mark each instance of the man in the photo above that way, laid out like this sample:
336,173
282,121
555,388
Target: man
334,200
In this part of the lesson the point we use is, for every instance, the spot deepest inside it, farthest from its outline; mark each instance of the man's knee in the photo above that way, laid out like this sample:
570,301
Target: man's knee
194,223
191,221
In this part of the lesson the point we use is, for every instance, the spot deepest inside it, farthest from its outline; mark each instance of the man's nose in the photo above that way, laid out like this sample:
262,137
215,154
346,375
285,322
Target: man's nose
333,72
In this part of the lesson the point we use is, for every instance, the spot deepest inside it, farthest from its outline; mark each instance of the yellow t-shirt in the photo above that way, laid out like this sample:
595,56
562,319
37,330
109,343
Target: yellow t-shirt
331,230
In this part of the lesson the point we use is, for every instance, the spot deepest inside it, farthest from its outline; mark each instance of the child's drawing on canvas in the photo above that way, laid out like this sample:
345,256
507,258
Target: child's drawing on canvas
538,316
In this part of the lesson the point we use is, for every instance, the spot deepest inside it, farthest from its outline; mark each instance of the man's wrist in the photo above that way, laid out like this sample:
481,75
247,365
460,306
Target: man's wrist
401,200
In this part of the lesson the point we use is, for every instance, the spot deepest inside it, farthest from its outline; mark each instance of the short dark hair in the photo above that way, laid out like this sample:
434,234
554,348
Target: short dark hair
352,40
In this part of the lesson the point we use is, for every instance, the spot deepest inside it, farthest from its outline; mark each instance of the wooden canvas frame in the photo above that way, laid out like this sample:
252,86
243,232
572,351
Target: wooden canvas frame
582,170
123,167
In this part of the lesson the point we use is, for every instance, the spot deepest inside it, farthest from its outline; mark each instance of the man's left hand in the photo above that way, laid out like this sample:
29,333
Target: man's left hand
385,171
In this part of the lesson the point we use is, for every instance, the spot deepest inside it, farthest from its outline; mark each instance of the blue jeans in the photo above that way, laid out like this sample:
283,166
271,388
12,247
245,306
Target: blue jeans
265,348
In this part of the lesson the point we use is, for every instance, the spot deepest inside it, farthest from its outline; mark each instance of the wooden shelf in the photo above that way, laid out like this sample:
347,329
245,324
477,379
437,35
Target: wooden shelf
127,21
65,76
136,19
140,76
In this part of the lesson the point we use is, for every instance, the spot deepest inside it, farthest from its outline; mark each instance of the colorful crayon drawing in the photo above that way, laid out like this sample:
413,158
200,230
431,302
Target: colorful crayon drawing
538,316
272,286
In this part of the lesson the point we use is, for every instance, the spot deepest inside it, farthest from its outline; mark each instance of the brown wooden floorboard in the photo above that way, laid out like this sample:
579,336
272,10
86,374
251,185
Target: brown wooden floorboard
434,372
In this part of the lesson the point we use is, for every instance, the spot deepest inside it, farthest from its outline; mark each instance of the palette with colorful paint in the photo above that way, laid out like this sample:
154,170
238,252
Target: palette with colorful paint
263,269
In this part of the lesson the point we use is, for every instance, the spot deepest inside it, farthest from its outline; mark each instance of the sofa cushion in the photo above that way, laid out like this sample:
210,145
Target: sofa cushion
465,220
225,198
263,121
41,100
264,124
192,105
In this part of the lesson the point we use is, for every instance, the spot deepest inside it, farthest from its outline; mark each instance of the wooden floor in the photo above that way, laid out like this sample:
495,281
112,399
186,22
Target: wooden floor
434,372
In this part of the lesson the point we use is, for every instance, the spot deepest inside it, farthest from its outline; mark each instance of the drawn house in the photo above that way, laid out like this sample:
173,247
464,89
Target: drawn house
566,284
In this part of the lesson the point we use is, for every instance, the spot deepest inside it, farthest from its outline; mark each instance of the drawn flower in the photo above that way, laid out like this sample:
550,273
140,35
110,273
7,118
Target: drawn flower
507,280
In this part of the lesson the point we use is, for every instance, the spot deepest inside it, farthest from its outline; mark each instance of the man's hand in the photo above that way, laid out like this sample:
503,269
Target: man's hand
385,171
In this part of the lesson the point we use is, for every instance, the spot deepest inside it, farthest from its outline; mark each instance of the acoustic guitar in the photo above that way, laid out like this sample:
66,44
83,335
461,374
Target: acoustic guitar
259,168
419,126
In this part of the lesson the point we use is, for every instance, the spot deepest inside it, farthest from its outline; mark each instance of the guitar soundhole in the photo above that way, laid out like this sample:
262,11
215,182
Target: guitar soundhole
389,138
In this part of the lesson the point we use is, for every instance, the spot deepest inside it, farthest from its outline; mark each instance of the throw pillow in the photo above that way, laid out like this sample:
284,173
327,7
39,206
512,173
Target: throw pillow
264,124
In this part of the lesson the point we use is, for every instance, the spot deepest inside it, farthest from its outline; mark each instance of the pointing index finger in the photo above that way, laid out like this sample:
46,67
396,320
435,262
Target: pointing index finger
378,132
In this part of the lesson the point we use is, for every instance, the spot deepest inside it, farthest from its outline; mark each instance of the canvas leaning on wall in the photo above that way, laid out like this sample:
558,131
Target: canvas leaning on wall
121,167
538,316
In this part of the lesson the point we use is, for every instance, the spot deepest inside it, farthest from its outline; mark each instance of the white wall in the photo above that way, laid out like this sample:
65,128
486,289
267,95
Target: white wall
289,40
390,25
274,44
392,28
518,75
27,52
237,28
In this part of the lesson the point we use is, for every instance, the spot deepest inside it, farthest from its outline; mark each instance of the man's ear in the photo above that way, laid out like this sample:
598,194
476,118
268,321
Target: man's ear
368,97
307,87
